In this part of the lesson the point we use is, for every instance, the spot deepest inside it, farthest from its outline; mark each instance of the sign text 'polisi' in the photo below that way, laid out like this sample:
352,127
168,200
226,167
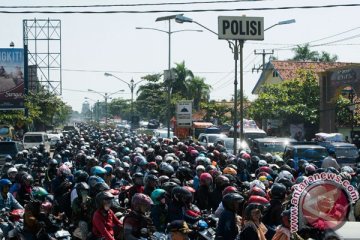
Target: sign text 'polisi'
241,28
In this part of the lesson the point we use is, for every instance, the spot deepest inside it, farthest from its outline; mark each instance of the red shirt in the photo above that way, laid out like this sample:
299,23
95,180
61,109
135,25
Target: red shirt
103,224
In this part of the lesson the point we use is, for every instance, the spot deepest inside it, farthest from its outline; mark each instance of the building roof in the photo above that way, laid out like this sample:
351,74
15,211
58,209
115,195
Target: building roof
287,69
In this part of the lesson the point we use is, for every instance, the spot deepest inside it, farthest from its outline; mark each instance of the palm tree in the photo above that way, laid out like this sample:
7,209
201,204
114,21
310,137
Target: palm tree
303,53
198,90
182,75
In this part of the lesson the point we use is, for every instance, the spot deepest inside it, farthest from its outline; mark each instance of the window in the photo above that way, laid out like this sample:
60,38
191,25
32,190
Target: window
275,73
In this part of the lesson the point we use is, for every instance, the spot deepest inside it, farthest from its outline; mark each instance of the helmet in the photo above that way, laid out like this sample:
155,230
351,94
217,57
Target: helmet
12,170
97,170
231,201
157,195
163,179
348,169
300,179
206,179
168,186
241,163
182,194
93,180
8,158
257,183
82,186
222,181
103,196
151,179
259,200
108,168
81,176
332,170
4,182
252,206
63,170
138,178
229,170
39,193
229,189
53,162
278,191
257,191
166,169
262,163
310,169
141,202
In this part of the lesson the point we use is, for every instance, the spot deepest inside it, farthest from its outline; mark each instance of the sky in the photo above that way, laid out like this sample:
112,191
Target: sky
93,44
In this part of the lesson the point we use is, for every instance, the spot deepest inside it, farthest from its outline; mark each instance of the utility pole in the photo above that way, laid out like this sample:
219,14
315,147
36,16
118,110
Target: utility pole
263,53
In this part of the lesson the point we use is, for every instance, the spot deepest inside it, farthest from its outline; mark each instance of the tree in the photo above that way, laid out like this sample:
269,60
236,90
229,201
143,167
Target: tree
292,101
120,107
303,53
198,90
182,76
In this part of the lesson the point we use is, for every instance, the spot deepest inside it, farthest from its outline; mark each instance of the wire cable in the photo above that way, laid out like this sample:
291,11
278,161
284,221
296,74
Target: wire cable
181,11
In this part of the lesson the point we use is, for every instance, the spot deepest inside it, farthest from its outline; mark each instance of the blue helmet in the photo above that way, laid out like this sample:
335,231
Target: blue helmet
93,180
97,170
4,182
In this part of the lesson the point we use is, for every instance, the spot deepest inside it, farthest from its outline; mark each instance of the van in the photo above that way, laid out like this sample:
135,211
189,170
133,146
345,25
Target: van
33,139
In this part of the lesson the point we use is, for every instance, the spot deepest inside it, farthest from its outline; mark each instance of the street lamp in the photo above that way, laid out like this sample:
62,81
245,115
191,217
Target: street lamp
131,85
106,97
169,32
234,46
290,21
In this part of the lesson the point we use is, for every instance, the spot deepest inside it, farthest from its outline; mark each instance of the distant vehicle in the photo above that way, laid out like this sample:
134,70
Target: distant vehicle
69,128
347,154
10,148
200,127
143,124
273,145
212,130
309,151
162,133
33,139
250,130
228,143
54,139
123,127
208,139
153,124
7,132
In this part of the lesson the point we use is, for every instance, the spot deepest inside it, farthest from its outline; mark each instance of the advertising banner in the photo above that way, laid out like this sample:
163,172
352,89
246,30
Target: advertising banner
11,78
184,114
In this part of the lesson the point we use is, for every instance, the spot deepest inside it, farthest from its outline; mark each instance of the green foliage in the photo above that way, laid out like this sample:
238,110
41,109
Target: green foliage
217,110
120,107
303,53
292,101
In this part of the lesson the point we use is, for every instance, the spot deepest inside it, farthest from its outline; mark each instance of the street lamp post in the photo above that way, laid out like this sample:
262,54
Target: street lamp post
132,85
169,32
106,97
234,46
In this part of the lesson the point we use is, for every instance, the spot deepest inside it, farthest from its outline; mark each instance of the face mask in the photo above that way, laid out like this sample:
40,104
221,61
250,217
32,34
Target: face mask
107,206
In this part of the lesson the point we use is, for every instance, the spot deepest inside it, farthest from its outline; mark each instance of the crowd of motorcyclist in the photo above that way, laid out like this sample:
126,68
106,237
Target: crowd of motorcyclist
109,184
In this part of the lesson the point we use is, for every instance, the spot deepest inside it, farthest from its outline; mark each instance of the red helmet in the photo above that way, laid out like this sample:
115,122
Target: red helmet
229,189
246,156
152,165
216,153
258,199
190,189
257,191
206,179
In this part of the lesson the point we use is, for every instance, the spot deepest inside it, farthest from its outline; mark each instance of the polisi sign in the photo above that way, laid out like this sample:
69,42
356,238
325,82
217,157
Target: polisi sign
241,28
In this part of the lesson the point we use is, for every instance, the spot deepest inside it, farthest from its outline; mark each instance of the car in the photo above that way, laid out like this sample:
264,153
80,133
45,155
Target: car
10,148
347,154
207,139
33,139
309,151
228,143
162,133
69,128
54,139
273,145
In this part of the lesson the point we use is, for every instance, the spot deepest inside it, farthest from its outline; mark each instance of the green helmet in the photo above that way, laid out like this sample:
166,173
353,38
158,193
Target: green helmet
157,195
39,193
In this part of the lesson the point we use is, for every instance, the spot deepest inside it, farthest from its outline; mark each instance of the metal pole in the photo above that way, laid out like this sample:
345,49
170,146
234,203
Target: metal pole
132,99
241,91
236,57
169,84
98,111
105,108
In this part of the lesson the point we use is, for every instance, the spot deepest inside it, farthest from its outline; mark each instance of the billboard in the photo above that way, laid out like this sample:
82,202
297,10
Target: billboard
11,78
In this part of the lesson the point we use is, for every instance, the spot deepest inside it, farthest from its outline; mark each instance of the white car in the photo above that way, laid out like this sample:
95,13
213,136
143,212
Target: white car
162,133
208,139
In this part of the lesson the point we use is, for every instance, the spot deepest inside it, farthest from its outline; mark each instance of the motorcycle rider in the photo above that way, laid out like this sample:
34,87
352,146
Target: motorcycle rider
81,209
151,183
7,200
159,209
178,230
203,194
104,221
50,173
229,221
137,220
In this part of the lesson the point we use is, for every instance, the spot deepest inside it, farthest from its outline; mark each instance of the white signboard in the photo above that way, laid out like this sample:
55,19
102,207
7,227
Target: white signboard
241,28
184,114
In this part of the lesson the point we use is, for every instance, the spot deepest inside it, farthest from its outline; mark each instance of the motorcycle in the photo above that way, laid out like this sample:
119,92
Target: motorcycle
15,219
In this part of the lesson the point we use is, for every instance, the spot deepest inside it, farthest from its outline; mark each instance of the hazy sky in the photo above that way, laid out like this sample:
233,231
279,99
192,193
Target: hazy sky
98,43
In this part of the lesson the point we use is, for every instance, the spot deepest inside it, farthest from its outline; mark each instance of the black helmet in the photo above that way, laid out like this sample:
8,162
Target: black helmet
166,169
251,207
101,186
53,162
168,186
241,163
181,194
163,179
101,197
82,186
278,191
332,170
230,201
151,179
184,173
81,176
221,182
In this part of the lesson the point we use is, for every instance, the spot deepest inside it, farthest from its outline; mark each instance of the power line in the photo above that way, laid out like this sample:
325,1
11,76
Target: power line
129,5
127,72
182,11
